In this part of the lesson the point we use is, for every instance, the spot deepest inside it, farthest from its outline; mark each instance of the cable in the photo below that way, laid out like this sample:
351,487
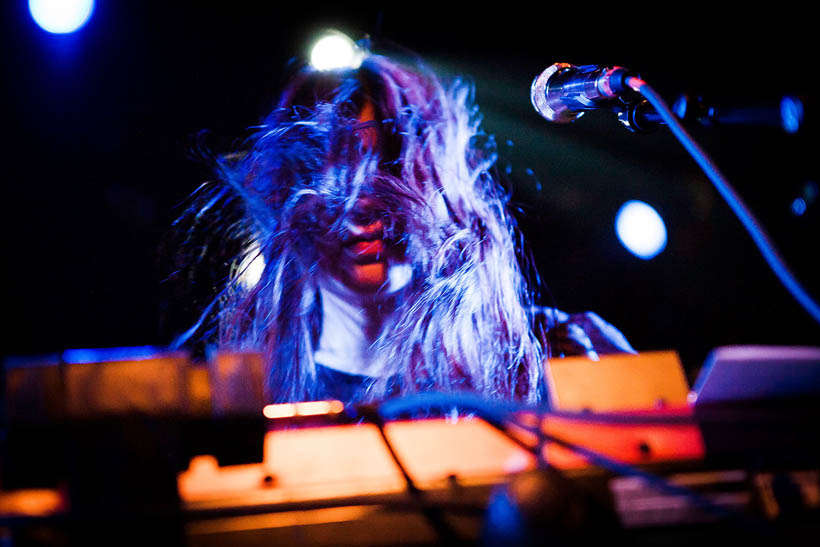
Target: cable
490,411
494,413
620,468
432,513
499,413
658,482
734,201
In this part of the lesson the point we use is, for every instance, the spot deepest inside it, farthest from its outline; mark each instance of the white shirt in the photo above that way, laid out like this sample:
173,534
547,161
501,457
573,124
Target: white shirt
352,322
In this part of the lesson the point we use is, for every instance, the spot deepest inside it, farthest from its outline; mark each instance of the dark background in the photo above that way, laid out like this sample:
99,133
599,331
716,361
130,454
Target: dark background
102,128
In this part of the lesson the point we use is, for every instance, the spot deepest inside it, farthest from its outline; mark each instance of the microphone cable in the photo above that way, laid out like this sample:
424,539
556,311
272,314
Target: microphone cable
753,227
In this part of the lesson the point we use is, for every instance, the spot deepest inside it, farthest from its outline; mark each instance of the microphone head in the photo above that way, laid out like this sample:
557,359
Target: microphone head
548,103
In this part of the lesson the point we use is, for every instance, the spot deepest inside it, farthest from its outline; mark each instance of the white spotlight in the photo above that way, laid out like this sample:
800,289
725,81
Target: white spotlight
251,266
60,16
640,229
334,50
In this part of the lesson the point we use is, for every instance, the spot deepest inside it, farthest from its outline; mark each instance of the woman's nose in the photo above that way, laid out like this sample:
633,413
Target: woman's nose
370,230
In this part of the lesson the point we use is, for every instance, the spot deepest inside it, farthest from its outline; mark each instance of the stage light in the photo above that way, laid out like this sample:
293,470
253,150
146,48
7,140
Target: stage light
60,16
334,50
799,207
303,409
251,267
640,229
791,113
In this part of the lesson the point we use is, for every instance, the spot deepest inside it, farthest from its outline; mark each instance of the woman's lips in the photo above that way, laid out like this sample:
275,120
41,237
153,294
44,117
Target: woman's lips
367,263
366,251
365,244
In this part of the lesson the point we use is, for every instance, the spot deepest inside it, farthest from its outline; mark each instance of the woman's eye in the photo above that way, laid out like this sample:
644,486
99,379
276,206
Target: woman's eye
365,218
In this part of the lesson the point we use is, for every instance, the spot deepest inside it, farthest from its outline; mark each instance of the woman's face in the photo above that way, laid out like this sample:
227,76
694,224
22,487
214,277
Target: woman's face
365,256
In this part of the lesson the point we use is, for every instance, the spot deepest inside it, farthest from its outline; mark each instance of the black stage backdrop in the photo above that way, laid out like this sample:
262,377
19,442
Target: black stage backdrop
102,127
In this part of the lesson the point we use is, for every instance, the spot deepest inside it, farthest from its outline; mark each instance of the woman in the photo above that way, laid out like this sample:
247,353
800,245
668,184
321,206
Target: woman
391,264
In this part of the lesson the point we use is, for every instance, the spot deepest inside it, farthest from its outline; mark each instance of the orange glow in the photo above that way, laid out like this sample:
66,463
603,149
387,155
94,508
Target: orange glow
313,408
308,408
347,460
286,410
617,382
34,502
374,274
280,520
631,442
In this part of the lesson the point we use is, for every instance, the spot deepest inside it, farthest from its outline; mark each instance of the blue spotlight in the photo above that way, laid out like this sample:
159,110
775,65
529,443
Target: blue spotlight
60,16
640,229
799,206
791,113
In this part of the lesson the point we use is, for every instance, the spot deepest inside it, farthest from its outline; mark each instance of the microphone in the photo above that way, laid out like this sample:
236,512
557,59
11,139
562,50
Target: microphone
563,92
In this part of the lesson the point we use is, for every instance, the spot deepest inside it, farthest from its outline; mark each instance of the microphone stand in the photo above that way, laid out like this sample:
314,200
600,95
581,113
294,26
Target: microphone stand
753,227
639,116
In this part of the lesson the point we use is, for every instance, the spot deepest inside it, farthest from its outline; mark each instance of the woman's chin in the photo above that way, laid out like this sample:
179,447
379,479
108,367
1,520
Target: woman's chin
368,277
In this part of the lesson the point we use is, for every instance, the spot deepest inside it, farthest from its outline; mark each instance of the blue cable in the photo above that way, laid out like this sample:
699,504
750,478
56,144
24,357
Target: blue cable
496,412
722,185
499,414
